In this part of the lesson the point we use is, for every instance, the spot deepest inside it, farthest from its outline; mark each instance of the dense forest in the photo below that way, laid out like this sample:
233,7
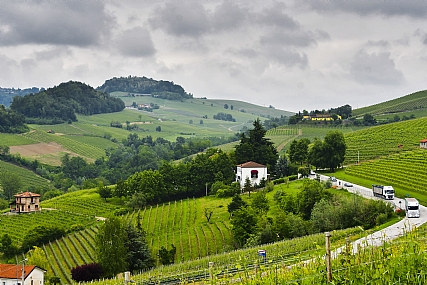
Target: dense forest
11,122
61,103
143,85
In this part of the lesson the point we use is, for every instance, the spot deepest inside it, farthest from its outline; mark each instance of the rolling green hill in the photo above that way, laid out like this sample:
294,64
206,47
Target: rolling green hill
383,140
407,103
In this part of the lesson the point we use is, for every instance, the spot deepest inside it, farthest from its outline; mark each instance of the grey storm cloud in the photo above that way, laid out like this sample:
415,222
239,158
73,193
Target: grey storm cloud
229,16
183,18
135,42
287,56
375,68
75,23
416,9
275,16
292,38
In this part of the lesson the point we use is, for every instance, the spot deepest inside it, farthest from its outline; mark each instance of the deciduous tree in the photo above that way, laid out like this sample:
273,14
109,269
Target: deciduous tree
110,247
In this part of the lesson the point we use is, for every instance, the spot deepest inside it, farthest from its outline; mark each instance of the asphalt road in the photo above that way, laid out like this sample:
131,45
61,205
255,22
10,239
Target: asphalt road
394,231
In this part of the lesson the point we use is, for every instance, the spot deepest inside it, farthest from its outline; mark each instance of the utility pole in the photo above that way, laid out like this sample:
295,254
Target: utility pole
23,270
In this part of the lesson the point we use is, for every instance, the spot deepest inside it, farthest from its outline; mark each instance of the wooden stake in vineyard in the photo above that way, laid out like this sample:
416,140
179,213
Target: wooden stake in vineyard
328,256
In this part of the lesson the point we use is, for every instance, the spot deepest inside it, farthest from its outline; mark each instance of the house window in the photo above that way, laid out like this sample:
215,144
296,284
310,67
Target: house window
254,173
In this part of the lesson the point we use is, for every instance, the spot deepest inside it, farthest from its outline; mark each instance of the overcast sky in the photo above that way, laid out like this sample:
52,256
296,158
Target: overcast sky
293,55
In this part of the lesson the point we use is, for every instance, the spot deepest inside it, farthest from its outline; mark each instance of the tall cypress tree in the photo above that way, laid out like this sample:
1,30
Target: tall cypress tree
256,147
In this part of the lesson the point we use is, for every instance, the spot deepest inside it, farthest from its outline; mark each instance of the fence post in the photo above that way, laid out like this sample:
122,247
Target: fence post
328,256
211,271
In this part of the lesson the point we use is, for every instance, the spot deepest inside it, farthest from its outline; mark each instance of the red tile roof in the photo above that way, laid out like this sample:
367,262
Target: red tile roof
12,271
251,164
27,195
423,141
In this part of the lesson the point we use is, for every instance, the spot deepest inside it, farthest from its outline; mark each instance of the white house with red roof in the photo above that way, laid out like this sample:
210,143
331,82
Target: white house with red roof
11,274
423,143
254,171
26,202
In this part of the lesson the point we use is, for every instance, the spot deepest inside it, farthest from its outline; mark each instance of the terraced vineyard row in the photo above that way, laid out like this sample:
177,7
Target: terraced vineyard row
183,224
70,251
384,140
84,202
77,147
28,178
16,226
406,170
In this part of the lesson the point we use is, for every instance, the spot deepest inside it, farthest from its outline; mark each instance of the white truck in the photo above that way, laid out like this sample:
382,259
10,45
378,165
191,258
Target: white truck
385,192
412,208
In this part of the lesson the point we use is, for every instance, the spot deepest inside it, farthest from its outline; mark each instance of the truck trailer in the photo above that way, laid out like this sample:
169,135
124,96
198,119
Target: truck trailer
385,192
412,208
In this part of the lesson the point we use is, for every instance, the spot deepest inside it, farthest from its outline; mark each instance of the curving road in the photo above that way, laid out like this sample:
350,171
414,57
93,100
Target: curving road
394,231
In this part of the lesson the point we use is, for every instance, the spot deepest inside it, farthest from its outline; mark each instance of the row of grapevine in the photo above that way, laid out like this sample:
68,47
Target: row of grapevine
407,170
89,203
68,143
384,140
17,226
183,224
406,103
285,252
27,177
70,251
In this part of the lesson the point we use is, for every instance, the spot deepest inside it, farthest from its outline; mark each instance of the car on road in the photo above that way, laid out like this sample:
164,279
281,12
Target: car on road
348,184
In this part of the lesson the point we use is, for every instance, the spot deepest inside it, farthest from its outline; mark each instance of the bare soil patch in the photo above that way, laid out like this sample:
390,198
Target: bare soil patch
37,149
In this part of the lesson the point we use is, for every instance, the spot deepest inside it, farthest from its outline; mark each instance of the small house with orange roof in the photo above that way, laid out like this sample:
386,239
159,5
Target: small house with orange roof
423,143
254,171
11,274
26,202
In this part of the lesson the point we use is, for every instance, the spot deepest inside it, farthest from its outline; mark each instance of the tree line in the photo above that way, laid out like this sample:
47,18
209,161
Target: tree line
143,85
12,122
313,209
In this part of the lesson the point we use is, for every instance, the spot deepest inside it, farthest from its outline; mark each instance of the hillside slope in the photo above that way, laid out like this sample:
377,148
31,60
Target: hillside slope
411,102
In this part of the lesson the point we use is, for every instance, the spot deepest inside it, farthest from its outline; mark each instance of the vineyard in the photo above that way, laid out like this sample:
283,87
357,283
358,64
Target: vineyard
28,178
183,224
234,263
405,171
380,141
414,101
80,148
83,202
70,251
12,139
16,226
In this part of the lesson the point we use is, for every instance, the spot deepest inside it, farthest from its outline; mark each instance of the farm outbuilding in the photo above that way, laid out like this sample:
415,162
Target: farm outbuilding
423,143
11,274
254,171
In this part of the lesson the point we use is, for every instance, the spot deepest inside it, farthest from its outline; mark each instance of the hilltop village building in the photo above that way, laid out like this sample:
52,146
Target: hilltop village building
11,274
26,202
254,171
